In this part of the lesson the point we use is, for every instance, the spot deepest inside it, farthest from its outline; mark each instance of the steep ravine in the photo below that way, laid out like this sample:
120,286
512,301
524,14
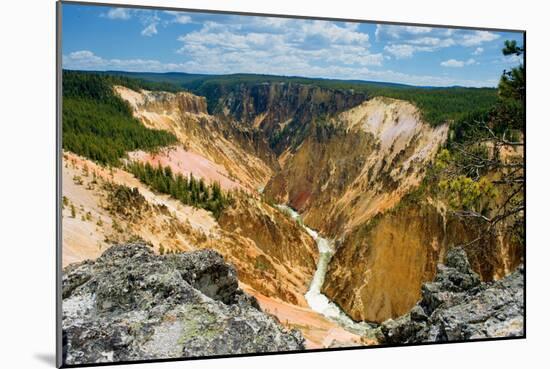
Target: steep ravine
358,164
345,164
282,111
314,297
345,179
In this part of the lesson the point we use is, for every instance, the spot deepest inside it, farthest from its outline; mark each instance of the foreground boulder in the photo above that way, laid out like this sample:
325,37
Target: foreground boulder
131,304
458,306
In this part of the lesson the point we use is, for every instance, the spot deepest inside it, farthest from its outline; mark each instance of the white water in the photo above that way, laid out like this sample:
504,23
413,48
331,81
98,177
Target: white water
316,300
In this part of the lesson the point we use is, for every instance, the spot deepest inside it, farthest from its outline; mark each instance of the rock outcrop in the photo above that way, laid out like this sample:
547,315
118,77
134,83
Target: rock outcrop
283,111
457,306
379,268
131,304
276,102
160,101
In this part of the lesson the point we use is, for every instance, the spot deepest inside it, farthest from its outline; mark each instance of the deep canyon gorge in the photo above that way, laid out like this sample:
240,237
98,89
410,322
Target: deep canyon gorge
330,228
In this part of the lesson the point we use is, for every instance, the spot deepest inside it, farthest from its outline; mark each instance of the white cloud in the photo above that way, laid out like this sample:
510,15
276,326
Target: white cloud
292,47
179,17
314,49
150,30
426,80
405,41
182,19
400,51
118,13
396,32
433,42
81,54
477,38
334,33
417,30
453,63
407,50
84,55
87,60
148,18
298,47
477,51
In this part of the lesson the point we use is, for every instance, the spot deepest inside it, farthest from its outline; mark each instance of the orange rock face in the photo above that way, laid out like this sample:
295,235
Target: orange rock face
378,270
346,175
347,178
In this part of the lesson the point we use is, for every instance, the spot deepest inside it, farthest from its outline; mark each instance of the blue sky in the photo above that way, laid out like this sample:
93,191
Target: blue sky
110,38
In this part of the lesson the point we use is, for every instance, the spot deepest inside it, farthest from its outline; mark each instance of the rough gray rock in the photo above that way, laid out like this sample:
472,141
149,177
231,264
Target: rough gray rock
458,306
131,304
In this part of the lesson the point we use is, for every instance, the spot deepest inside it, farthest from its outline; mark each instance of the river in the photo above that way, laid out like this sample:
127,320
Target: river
317,300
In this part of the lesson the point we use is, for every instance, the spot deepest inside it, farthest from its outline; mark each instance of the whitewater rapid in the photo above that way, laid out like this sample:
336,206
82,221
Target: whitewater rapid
315,299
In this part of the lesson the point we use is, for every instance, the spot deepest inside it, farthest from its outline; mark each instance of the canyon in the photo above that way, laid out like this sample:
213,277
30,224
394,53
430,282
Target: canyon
321,231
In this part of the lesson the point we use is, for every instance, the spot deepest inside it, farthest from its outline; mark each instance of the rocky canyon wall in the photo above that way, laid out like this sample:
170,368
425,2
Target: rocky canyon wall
379,268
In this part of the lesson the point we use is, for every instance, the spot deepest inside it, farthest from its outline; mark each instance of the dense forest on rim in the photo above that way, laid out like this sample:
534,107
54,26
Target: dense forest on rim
98,124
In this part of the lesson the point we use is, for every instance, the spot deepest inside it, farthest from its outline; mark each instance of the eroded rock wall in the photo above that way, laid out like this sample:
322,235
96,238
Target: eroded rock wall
367,159
348,179
239,154
457,306
378,270
282,111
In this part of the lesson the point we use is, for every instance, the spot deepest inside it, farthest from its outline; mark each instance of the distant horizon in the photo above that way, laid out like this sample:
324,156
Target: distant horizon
274,75
109,38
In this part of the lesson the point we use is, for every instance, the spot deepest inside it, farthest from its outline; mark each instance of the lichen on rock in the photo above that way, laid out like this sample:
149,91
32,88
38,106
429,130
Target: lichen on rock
131,304
457,306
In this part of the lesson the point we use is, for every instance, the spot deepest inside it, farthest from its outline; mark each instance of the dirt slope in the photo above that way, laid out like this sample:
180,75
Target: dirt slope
226,154
274,257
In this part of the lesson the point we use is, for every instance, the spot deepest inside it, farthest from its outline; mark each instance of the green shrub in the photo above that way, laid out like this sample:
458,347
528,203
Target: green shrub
188,190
